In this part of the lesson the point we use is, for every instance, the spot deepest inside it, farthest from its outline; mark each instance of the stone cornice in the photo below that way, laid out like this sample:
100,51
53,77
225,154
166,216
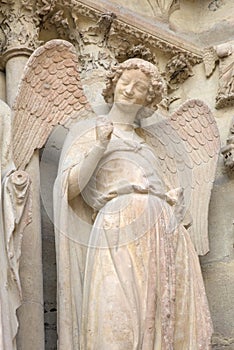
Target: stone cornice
154,33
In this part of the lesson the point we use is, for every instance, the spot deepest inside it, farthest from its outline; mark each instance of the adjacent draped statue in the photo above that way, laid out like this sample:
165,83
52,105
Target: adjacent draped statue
15,215
131,204
223,53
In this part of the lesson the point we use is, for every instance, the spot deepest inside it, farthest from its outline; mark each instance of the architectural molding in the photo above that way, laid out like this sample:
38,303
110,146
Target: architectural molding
117,32
64,14
145,29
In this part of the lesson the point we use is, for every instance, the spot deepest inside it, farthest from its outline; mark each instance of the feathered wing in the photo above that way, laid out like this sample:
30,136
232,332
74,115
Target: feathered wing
187,145
50,93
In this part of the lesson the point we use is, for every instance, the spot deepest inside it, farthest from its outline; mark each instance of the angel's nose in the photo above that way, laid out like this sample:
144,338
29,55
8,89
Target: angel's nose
129,89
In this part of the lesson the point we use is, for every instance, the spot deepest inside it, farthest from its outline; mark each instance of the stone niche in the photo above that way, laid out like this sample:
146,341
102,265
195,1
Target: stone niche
192,44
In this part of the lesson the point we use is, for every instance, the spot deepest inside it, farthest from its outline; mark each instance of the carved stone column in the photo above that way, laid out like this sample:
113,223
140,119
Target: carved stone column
15,60
20,29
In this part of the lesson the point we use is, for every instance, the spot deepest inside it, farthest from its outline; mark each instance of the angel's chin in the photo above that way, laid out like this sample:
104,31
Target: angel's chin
123,101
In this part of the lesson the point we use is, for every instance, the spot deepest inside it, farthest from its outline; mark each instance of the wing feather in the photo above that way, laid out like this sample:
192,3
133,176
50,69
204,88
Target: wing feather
201,138
187,146
49,94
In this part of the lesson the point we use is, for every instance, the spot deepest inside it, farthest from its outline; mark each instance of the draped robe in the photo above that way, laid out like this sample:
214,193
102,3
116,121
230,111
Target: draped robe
15,205
128,274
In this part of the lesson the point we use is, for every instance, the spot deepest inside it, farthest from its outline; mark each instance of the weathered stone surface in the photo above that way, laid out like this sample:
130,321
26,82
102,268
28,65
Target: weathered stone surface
219,280
141,30
49,282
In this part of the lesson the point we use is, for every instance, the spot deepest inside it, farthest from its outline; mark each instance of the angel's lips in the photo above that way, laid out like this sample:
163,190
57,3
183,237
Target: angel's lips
124,98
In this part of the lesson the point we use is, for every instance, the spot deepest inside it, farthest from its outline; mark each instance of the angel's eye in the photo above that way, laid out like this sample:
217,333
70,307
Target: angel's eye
124,81
226,156
230,153
141,88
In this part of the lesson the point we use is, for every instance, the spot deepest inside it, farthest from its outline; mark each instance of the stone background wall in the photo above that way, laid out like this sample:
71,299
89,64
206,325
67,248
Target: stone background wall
196,25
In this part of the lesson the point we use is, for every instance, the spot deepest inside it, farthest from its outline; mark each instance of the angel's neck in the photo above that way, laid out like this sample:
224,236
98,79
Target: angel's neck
123,116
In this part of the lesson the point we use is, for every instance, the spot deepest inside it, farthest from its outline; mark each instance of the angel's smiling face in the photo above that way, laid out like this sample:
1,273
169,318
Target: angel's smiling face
132,87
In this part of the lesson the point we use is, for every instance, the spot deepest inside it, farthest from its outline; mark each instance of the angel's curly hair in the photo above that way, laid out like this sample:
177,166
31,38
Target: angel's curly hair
156,90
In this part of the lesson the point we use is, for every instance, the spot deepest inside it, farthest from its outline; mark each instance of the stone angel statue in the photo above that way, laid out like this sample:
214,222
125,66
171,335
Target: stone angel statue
15,215
131,204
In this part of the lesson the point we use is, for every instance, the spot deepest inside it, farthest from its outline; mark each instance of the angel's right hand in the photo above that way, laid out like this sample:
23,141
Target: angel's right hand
104,129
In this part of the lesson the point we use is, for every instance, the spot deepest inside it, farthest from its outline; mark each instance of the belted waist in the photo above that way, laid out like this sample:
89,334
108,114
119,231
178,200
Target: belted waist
100,202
